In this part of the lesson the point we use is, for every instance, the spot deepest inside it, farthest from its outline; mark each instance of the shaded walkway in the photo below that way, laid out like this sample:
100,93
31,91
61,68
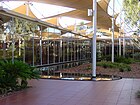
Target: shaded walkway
59,92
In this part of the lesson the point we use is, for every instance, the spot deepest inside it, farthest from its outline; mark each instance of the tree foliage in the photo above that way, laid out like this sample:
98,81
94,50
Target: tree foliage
132,10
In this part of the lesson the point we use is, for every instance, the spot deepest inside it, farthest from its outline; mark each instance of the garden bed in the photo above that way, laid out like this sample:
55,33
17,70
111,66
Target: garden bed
86,69
134,73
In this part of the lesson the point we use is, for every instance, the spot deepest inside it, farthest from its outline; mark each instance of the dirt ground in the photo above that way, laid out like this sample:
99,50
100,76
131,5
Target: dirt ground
86,69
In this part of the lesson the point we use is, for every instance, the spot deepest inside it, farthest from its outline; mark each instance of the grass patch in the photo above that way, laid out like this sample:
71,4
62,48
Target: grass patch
121,66
125,60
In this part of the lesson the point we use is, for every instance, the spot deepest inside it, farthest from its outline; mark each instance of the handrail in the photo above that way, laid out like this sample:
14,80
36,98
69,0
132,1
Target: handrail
59,63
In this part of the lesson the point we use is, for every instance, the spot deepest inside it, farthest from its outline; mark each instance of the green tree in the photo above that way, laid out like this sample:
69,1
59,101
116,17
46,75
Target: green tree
132,10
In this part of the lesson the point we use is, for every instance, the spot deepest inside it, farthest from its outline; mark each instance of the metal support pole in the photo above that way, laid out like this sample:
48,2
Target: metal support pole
63,51
124,45
113,33
33,50
4,50
120,36
71,48
13,47
48,51
74,50
27,8
124,34
54,51
67,50
24,50
119,45
60,50
19,50
13,43
80,48
77,49
133,50
94,39
41,45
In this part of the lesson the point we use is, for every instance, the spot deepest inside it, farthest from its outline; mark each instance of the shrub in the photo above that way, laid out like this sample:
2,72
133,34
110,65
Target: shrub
106,58
107,64
119,59
124,60
122,67
137,56
10,73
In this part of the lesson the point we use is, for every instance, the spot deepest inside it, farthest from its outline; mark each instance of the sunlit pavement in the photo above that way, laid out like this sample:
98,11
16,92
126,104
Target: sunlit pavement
62,92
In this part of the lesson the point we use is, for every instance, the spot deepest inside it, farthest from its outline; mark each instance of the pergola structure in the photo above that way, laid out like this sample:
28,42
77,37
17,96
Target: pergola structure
81,7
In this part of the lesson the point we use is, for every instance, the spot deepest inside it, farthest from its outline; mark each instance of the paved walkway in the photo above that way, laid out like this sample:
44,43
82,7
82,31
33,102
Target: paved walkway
61,92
